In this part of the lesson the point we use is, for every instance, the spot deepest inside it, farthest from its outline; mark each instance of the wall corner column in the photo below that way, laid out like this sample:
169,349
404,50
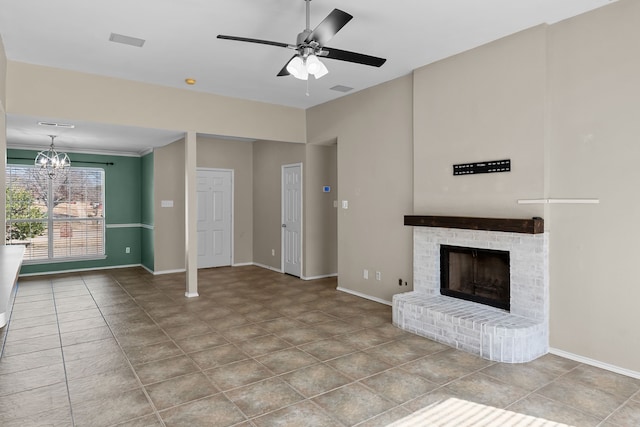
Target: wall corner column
191,232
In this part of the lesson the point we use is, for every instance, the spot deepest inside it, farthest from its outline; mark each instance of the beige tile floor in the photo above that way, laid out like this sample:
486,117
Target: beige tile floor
258,348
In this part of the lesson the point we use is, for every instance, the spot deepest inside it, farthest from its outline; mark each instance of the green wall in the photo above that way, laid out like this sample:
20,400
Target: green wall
123,210
146,206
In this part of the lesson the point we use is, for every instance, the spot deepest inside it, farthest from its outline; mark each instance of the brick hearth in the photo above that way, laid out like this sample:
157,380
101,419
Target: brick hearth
520,335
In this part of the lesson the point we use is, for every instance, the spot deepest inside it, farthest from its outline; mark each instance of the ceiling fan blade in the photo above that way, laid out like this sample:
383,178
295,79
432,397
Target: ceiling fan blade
248,40
358,58
284,71
329,27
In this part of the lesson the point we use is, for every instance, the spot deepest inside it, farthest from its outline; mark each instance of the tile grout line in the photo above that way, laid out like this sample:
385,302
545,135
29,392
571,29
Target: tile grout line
156,412
64,364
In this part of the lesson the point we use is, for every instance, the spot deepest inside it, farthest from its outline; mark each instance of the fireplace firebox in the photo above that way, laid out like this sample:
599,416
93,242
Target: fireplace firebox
479,275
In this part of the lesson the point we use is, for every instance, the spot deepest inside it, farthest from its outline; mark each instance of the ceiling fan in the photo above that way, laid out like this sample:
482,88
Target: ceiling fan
310,45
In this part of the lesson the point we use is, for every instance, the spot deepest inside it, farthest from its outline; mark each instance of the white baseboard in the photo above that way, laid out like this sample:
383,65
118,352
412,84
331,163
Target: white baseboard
277,270
242,264
160,273
324,276
596,363
79,270
191,294
148,269
365,296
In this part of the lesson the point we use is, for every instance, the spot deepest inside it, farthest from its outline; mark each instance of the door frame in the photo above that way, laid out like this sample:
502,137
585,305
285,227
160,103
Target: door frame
282,207
232,215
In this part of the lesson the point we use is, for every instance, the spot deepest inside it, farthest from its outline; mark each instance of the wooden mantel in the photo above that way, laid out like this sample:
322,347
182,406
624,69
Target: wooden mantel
510,225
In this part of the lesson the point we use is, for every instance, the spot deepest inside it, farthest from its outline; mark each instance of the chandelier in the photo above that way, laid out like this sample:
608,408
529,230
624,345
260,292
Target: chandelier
52,164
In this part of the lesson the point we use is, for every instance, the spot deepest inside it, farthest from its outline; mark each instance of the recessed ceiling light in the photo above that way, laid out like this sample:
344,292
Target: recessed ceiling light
190,81
341,88
131,41
57,125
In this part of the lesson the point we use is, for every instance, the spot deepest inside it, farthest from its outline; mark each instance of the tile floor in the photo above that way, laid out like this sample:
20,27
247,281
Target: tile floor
257,348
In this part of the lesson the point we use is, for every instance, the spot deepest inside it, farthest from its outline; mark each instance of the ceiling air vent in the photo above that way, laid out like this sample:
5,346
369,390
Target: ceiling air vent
57,125
341,88
131,41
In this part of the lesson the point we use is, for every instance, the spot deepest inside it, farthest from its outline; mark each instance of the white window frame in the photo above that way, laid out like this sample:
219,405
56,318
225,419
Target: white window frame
50,220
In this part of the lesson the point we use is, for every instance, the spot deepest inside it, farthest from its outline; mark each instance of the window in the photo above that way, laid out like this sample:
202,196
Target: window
56,220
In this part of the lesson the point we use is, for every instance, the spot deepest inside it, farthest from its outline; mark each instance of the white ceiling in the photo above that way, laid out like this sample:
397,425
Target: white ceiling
181,42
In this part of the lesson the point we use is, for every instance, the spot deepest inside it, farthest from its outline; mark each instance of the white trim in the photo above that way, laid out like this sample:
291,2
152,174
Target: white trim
365,296
324,276
191,294
558,201
242,264
81,151
146,151
77,270
282,201
267,267
133,225
178,270
596,363
148,269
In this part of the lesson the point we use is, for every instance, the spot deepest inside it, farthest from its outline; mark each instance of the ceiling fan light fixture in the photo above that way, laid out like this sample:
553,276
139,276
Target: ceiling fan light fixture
296,67
315,67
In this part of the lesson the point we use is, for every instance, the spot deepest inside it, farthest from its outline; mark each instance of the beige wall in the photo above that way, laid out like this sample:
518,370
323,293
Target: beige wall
373,129
320,216
561,101
3,77
268,159
51,92
236,155
257,201
594,82
484,104
169,229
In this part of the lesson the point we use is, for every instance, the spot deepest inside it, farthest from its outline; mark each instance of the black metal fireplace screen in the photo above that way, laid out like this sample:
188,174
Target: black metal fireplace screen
479,275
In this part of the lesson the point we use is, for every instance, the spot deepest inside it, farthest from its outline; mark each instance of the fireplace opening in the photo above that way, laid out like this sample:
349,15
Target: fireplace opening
479,275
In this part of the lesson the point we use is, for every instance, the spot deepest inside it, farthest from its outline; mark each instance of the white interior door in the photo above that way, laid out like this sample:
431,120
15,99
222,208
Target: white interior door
214,217
292,219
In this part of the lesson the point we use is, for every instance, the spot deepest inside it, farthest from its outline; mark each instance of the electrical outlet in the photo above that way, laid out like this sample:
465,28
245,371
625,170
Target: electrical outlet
273,252
365,273
378,275
127,250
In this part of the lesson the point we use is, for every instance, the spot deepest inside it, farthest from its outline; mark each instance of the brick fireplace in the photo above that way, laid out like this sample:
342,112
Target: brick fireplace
517,335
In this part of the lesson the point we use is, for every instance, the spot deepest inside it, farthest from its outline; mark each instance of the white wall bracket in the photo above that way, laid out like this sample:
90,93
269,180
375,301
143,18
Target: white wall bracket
558,201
